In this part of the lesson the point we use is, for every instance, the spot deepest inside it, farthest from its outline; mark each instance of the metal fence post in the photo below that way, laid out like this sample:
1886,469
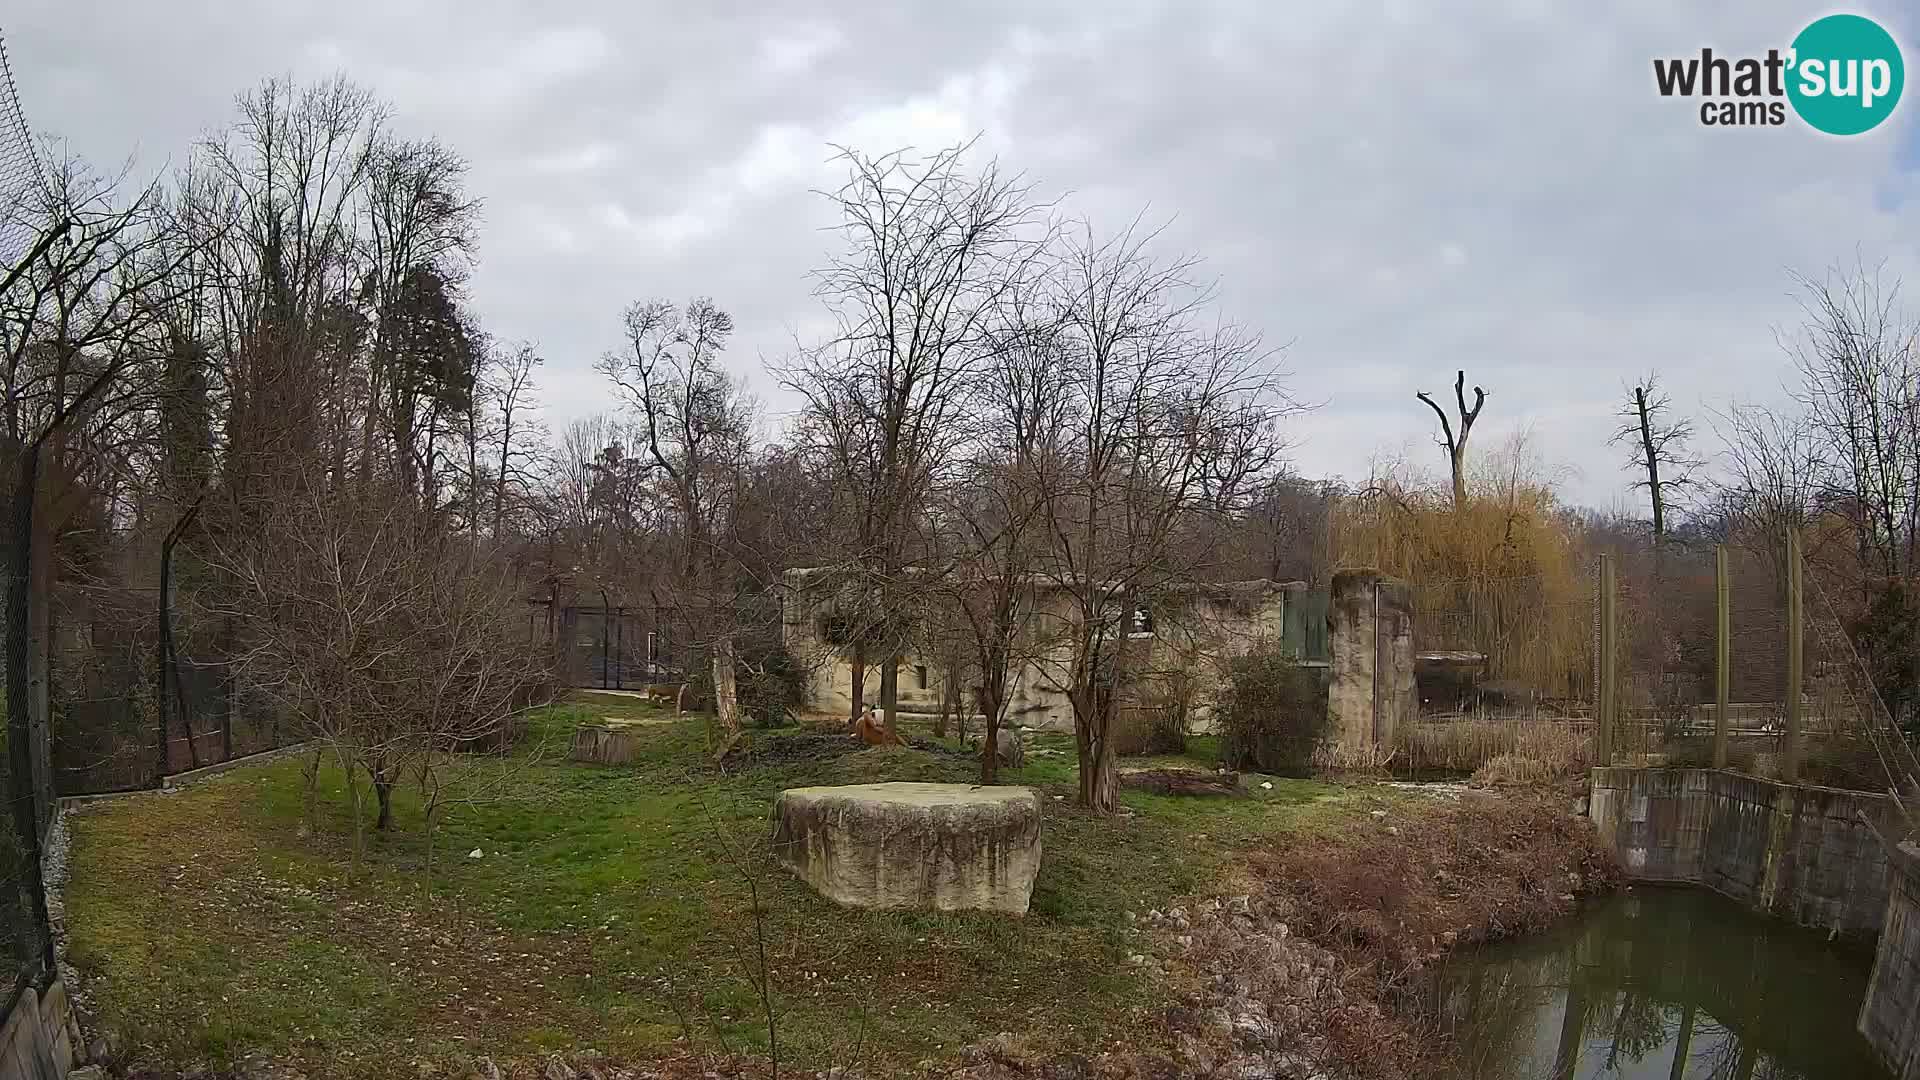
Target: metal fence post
1606,694
1722,653
1790,767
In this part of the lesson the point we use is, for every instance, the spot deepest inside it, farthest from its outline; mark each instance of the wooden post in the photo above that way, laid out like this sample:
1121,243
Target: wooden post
1722,652
1790,767
1607,693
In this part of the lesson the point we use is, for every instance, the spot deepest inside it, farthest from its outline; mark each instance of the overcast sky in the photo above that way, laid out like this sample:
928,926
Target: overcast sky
1391,191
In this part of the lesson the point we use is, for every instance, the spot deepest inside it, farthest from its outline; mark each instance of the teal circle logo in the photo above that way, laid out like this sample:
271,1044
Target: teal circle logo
1845,74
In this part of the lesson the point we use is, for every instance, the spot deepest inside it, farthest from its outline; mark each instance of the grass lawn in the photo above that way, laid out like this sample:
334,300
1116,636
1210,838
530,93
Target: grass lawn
609,909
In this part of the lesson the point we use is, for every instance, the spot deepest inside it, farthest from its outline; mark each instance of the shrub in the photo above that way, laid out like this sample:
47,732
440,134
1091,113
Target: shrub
1143,730
1272,714
1511,770
1696,752
772,686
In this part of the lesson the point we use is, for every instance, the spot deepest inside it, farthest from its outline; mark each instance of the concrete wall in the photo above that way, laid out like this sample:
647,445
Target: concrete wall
1197,628
39,1038
1370,690
1797,852
1890,1013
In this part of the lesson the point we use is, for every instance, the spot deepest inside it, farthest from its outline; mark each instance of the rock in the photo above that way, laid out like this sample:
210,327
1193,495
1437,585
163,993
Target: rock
1266,785
1137,959
1008,748
475,854
948,847
559,1070
1240,905
87,1072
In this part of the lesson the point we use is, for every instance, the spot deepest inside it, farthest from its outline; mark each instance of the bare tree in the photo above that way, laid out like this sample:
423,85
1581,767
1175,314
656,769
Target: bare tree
931,251
1456,445
77,328
1168,426
1859,366
382,635
1658,449
696,426
503,436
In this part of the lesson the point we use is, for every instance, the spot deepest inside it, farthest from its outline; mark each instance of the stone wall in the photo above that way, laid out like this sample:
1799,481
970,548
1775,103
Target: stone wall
1196,629
38,1040
1890,1013
1798,852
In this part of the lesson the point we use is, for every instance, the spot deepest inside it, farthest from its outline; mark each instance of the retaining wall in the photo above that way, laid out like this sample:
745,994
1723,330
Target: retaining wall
1797,852
1890,1013
38,1040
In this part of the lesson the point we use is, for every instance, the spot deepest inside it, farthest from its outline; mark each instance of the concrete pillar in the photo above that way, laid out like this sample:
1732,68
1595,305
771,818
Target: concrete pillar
1370,691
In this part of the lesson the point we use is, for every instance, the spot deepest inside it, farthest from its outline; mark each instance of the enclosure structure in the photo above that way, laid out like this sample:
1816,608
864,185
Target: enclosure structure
1179,641
609,643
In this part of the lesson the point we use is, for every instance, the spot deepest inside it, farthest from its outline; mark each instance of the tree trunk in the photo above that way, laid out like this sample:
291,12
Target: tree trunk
383,794
1651,456
726,698
990,694
949,691
1457,458
857,692
1100,785
890,695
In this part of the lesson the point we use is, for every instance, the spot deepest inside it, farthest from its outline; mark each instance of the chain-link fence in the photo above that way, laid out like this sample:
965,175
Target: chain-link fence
1740,658
24,925
121,723
1685,655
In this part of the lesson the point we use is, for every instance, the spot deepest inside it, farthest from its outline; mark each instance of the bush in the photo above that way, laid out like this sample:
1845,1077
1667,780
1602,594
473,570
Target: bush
772,686
1272,714
1143,730
1511,770
1696,752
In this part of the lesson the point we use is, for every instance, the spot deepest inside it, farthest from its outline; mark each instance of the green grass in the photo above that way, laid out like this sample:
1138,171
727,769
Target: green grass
608,904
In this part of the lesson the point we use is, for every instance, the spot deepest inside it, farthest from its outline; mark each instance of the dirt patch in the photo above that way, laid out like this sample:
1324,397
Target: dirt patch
1183,782
1312,971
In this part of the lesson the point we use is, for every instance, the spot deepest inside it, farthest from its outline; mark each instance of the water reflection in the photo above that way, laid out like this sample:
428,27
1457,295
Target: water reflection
1661,983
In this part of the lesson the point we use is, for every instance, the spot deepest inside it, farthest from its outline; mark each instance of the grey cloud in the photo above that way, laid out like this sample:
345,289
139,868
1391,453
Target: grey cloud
1395,189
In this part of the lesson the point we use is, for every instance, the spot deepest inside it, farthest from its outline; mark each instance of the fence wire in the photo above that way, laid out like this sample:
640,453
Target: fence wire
19,169
25,929
1668,627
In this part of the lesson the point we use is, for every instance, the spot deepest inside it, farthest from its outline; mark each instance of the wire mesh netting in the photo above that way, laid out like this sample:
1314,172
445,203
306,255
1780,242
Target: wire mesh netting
24,928
19,169
616,648
1679,609
108,732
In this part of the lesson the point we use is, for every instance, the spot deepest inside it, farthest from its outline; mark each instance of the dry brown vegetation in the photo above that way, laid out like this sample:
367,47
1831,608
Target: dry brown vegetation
1555,748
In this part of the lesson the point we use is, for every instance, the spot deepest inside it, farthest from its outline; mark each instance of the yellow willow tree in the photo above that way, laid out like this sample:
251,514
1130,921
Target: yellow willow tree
1503,573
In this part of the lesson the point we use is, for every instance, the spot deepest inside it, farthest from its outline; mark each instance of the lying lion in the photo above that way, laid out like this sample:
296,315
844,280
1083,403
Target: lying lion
874,733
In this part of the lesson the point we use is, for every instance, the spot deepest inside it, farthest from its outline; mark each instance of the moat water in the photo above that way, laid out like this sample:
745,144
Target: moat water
1663,984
